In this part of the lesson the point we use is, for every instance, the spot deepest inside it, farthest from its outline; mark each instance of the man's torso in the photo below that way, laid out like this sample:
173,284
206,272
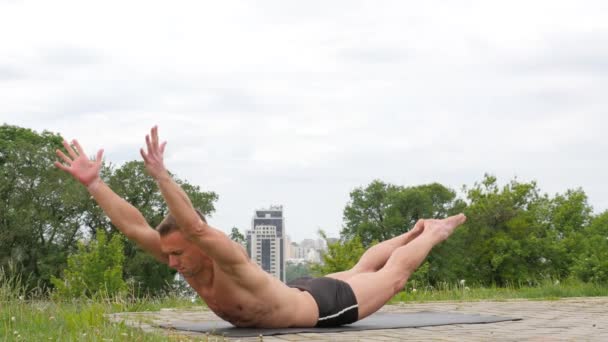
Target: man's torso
249,297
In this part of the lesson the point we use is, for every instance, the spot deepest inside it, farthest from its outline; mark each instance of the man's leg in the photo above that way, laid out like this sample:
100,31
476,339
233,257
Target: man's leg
376,256
374,289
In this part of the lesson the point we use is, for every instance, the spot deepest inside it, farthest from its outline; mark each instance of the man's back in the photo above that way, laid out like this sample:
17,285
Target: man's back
250,297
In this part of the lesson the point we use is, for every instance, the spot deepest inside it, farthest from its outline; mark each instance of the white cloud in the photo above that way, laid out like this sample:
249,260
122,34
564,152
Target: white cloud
297,103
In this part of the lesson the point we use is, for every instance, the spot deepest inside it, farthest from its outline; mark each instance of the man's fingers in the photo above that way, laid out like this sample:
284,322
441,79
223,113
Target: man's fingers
61,166
99,155
70,150
143,155
155,136
149,144
64,157
153,145
78,147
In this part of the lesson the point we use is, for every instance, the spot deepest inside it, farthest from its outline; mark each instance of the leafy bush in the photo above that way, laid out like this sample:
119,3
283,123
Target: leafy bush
340,256
94,269
591,265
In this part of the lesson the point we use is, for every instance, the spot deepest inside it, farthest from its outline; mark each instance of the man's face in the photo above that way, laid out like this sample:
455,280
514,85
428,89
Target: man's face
183,255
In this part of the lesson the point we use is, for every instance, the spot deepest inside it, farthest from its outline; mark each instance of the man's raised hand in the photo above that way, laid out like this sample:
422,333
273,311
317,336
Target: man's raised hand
78,165
153,157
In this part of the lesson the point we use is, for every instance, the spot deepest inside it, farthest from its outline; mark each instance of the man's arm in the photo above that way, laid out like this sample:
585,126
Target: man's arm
122,214
214,242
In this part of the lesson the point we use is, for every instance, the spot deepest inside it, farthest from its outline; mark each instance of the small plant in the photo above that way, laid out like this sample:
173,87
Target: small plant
12,285
94,270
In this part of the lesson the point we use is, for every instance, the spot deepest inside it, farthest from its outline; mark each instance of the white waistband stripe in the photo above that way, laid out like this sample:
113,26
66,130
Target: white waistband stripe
339,313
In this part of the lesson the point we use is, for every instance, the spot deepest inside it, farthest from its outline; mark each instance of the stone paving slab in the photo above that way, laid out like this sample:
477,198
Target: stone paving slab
572,319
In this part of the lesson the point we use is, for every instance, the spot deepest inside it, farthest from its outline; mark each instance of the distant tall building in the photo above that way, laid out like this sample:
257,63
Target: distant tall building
266,240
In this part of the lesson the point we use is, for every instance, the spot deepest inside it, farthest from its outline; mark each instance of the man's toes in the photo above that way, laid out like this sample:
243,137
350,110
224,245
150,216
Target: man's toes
418,227
457,220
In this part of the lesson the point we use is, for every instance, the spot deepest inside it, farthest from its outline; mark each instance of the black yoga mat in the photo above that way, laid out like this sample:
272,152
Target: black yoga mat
373,322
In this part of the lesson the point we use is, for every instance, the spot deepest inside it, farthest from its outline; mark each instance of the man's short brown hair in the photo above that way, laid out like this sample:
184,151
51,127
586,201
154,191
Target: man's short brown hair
169,224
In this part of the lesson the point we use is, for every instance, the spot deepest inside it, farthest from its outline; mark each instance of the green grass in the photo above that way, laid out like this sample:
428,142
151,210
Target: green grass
78,320
460,292
43,319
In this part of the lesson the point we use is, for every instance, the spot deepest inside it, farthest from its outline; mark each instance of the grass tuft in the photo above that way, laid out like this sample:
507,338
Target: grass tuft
548,290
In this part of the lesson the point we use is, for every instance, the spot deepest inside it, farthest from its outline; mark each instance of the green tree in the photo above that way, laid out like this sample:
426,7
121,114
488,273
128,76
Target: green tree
40,207
569,217
94,269
591,264
501,233
340,256
235,235
44,212
516,235
381,211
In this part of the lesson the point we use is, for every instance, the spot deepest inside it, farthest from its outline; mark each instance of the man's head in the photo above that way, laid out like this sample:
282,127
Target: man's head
169,225
184,256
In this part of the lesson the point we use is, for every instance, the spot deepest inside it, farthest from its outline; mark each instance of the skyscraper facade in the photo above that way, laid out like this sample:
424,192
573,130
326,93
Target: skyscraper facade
266,240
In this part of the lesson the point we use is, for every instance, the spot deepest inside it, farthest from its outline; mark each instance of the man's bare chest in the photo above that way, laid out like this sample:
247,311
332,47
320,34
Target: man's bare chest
233,304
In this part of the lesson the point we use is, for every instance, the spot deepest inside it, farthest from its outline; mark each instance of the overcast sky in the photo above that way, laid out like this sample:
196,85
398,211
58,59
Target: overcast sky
299,102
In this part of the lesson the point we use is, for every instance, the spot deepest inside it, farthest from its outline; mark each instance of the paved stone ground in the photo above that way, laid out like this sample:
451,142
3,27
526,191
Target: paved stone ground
573,319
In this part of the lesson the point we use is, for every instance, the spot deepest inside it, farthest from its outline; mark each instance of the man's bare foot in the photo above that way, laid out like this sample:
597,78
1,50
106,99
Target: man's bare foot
442,229
414,232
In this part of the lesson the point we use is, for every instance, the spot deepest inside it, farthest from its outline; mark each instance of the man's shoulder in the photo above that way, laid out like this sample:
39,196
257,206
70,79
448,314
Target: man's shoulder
246,271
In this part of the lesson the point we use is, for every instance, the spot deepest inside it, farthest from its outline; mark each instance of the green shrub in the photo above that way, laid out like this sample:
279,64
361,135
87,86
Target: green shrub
340,256
95,269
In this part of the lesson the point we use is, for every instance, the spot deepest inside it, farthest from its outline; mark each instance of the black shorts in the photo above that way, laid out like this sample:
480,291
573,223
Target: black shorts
335,299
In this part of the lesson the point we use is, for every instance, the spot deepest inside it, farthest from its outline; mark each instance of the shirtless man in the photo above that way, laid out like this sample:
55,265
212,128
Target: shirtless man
231,284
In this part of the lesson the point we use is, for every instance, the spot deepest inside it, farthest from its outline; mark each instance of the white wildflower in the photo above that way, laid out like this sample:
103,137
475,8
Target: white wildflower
462,281
13,318
413,290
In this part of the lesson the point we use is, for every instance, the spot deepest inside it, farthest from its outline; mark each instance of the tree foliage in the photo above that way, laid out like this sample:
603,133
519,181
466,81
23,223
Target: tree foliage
591,264
40,208
44,212
237,236
95,269
380,211
514,234
340,255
